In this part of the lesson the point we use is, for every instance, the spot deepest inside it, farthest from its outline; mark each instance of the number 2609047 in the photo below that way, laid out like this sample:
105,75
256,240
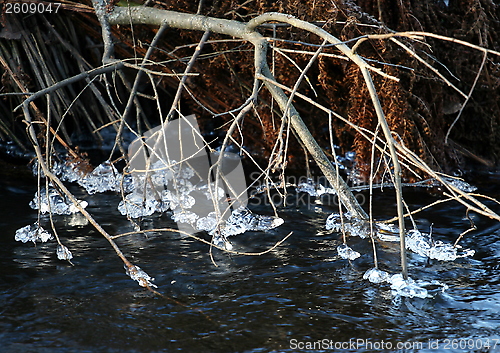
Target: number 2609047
31,7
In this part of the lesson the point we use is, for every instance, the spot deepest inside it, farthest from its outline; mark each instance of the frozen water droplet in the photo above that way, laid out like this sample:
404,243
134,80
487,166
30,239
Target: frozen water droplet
32,232
63,253
74,209
374,275
346,252
137,274
350,155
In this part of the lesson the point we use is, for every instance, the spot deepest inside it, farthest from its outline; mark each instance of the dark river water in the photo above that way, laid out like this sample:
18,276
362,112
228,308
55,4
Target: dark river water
299,296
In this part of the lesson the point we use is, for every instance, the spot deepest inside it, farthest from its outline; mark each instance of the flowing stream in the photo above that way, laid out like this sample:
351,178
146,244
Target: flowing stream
300,295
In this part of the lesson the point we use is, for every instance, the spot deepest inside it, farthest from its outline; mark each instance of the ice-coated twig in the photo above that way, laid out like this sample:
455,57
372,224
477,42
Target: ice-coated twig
63,253
137,274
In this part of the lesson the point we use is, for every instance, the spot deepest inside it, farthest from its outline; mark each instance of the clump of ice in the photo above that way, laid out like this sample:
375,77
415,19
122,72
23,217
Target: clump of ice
69,172
208,223
406,288
136,205
460,184
351,226
221,242
374,275
423,245
418,242
387,232
63,253
103,178
308,186
345,252
242,220
313,188
184,216
33,232
137,274
52,201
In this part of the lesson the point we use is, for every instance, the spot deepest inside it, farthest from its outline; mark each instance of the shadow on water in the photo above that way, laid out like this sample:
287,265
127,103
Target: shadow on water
300,293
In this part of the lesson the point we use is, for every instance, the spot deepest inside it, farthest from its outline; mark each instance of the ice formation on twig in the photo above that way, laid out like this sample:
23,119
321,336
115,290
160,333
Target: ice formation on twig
374,275
33,232
345,252
63,253
137,274
52,201
423,245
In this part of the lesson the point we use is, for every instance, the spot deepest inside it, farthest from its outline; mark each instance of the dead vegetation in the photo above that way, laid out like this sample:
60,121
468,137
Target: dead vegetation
410,104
